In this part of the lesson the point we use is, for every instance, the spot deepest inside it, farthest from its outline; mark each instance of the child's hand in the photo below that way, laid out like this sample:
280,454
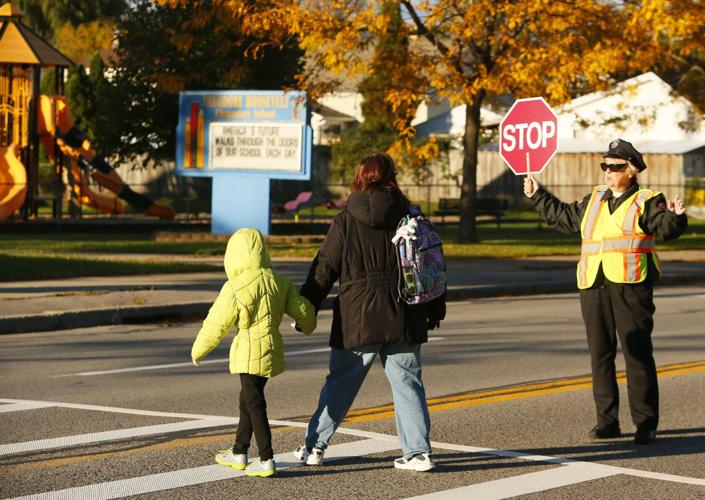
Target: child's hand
296,327
196,363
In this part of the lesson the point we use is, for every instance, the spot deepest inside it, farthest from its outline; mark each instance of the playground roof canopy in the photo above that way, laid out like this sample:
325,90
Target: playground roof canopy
20,45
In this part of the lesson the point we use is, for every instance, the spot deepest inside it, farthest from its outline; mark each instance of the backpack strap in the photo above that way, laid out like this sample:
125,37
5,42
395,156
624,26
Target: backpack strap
415,211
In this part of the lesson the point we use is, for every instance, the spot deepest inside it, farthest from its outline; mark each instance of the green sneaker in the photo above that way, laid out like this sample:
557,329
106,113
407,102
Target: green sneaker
230,459
257,468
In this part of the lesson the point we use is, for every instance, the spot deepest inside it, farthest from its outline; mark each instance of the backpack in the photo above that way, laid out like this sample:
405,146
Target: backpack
422,267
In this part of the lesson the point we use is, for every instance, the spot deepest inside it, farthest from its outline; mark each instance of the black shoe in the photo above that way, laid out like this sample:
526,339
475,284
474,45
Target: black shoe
606,432
644,436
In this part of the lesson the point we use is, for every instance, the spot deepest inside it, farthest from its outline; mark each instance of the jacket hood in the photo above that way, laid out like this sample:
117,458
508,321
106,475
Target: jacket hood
382,209
246,251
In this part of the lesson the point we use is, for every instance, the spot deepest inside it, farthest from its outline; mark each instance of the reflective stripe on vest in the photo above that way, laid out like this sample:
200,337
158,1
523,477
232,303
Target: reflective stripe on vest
614,241
632,244
593,211
630,220
588,246
634,247
631,247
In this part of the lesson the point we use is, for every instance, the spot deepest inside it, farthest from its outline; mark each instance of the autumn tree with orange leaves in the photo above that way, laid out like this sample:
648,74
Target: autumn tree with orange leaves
473,51
669,37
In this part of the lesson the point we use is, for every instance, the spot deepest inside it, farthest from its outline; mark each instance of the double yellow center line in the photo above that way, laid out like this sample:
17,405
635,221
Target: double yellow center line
483,397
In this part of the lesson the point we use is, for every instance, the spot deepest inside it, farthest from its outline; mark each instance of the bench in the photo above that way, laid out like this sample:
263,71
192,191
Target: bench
494,207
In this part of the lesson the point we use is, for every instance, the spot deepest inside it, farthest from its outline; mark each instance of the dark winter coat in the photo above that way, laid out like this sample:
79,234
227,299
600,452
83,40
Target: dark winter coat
358,251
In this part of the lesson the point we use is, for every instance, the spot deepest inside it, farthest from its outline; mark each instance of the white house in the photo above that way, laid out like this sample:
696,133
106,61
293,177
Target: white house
641,110
336,112
333,114
451,123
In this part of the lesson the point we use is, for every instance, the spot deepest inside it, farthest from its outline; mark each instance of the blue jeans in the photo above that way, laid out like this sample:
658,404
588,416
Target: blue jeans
347,371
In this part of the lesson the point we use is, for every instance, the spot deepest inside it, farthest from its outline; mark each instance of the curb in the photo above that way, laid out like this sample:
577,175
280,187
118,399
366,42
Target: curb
223,238
67,320
196,311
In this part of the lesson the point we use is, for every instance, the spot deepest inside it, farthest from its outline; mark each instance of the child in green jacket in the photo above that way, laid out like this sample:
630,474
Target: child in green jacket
254,299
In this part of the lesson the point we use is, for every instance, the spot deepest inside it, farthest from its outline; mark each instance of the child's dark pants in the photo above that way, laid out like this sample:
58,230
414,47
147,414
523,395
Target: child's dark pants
253,417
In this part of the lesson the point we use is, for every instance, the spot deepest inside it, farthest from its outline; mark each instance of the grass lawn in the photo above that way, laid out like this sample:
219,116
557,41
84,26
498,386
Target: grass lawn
528,239
25,257
105,243
30,266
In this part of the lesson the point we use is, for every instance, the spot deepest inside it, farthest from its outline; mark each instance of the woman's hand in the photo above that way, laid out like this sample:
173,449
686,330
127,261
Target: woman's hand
530,186
677,206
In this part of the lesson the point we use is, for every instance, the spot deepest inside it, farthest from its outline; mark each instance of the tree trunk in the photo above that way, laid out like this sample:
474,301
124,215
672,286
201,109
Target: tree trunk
468,193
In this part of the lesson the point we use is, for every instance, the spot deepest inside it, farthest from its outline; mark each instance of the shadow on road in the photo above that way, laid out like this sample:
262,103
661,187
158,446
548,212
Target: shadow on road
669,442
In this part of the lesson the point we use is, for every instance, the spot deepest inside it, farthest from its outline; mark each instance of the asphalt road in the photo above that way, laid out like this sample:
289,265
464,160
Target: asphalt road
94,413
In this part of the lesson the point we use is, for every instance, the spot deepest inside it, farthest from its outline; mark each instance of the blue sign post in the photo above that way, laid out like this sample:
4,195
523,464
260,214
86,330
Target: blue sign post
243,139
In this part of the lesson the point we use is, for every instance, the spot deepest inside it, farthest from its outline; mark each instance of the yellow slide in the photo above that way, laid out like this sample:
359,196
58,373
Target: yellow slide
13,181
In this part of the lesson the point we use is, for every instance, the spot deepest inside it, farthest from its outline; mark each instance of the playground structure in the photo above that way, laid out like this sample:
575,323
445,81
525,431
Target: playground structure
28,118
305,199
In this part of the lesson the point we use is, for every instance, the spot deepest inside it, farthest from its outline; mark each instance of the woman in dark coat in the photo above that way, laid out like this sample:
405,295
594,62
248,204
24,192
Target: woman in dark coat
368,317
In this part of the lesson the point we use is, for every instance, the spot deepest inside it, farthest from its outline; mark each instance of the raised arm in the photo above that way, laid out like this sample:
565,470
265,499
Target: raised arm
665,219
221,318
564,217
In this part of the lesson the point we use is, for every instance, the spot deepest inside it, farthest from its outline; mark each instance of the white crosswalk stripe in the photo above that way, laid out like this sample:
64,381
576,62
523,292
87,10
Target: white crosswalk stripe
567,471
102,437
24,405
524,484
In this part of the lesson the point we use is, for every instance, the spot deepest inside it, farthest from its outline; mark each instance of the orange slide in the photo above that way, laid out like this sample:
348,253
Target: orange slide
55,121
13,181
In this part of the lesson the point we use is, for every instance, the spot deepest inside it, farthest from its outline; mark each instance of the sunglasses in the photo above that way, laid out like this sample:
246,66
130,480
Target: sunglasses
614,167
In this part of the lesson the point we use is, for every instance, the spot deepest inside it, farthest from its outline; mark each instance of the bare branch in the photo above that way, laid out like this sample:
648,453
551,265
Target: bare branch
422,30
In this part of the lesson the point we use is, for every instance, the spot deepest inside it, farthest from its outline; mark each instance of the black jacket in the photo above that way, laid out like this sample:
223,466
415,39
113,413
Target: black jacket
358,251
656,219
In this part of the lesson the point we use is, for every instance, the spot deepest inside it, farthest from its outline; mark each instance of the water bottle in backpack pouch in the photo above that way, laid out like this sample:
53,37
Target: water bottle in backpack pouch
422,267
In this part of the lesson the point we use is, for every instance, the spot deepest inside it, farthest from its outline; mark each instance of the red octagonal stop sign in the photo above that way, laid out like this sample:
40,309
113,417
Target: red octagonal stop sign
528,136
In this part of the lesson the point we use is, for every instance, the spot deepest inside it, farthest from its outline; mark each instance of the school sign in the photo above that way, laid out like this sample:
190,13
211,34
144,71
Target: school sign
243,139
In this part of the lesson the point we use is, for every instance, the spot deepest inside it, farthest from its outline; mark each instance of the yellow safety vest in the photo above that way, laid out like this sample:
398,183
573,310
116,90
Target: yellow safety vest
615,240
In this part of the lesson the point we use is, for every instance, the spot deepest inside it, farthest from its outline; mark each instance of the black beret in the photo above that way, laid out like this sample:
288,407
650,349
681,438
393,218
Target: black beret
624,150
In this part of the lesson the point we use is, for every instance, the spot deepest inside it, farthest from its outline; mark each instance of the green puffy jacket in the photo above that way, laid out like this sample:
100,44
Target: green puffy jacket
254,299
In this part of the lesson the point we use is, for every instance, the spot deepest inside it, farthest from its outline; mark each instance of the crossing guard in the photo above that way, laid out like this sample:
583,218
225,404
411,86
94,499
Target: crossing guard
616,272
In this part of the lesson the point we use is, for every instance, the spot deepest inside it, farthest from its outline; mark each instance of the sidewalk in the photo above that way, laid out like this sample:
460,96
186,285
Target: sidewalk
47,305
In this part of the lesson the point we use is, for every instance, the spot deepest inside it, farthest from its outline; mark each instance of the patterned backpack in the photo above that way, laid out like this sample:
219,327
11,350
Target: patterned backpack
422,267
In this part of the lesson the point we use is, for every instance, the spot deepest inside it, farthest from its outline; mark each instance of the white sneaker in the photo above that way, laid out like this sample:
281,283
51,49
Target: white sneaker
257,468
227,457
420,463
312,456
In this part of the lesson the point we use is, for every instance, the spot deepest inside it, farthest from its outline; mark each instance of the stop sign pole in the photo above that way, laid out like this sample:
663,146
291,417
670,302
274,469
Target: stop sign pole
528,136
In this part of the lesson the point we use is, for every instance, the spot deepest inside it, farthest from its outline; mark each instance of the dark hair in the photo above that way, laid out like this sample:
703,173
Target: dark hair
377,171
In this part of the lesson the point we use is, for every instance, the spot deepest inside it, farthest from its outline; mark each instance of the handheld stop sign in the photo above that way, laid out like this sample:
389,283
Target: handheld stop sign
528,136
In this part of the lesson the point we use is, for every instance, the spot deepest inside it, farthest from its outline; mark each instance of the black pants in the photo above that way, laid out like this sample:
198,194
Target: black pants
627,310
253,417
